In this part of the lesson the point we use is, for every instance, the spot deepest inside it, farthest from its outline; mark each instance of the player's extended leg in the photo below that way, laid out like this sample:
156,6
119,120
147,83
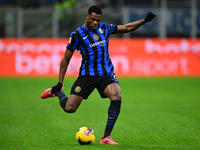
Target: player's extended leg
69,105
113,92
73,103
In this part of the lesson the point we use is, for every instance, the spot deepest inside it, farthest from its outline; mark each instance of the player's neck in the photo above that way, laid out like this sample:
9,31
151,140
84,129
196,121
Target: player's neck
87,28
84,25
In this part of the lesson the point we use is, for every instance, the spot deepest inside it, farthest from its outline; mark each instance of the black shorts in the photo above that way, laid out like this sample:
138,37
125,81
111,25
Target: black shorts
84,85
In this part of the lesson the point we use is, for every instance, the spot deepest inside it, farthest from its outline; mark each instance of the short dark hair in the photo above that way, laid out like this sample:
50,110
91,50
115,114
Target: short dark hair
94,8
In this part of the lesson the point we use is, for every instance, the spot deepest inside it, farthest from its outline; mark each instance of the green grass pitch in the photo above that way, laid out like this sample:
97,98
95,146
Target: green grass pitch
156,114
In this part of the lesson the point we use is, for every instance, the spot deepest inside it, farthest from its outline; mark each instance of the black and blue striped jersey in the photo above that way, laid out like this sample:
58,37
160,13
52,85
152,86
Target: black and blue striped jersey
93,46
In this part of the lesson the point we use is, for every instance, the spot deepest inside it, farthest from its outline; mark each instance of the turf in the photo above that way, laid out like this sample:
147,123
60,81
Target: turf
156,114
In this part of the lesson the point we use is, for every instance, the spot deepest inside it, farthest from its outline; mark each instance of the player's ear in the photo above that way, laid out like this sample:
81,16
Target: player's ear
87,15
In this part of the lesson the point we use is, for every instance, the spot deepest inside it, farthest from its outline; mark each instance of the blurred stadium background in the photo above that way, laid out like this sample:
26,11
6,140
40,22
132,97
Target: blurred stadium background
57,18
169,45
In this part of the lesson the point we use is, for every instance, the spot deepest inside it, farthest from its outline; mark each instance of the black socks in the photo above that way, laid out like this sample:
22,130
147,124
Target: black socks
113,113
63,98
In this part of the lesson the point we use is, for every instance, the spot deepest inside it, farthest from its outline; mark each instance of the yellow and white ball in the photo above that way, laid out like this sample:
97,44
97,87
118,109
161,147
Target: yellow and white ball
85,135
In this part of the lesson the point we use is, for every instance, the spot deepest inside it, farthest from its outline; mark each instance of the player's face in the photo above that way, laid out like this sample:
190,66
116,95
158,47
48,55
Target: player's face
93,20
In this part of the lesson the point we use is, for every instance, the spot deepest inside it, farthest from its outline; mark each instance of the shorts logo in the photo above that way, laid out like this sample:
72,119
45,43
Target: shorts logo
113,75
77,89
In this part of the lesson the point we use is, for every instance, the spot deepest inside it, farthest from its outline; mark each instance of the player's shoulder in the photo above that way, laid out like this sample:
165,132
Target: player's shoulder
102,24
74,33
106,25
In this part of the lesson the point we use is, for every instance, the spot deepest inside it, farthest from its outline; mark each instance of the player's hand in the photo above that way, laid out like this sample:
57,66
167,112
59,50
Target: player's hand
149,17
56,88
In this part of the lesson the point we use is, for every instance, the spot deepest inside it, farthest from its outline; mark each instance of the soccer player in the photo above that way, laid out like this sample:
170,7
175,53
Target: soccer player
96,70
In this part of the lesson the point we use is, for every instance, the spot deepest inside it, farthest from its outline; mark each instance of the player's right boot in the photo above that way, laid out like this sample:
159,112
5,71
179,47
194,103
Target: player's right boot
47,93
108,140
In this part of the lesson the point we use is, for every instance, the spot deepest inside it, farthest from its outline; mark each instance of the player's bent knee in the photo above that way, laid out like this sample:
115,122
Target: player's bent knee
119,97
70,109
116,97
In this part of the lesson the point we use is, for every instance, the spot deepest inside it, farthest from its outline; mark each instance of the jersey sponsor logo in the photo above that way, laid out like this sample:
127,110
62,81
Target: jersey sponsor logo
101,43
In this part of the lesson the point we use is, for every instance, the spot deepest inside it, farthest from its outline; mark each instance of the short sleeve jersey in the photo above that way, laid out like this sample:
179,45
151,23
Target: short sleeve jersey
93,46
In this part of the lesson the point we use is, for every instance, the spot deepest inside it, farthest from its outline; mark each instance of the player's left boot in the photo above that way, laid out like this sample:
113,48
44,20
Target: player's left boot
47,93
108,140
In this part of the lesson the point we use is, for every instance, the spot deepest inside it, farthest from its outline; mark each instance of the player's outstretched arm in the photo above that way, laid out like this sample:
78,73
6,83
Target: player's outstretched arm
63,68
135,25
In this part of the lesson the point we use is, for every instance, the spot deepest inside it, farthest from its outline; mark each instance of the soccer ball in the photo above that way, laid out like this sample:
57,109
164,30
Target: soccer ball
85,135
